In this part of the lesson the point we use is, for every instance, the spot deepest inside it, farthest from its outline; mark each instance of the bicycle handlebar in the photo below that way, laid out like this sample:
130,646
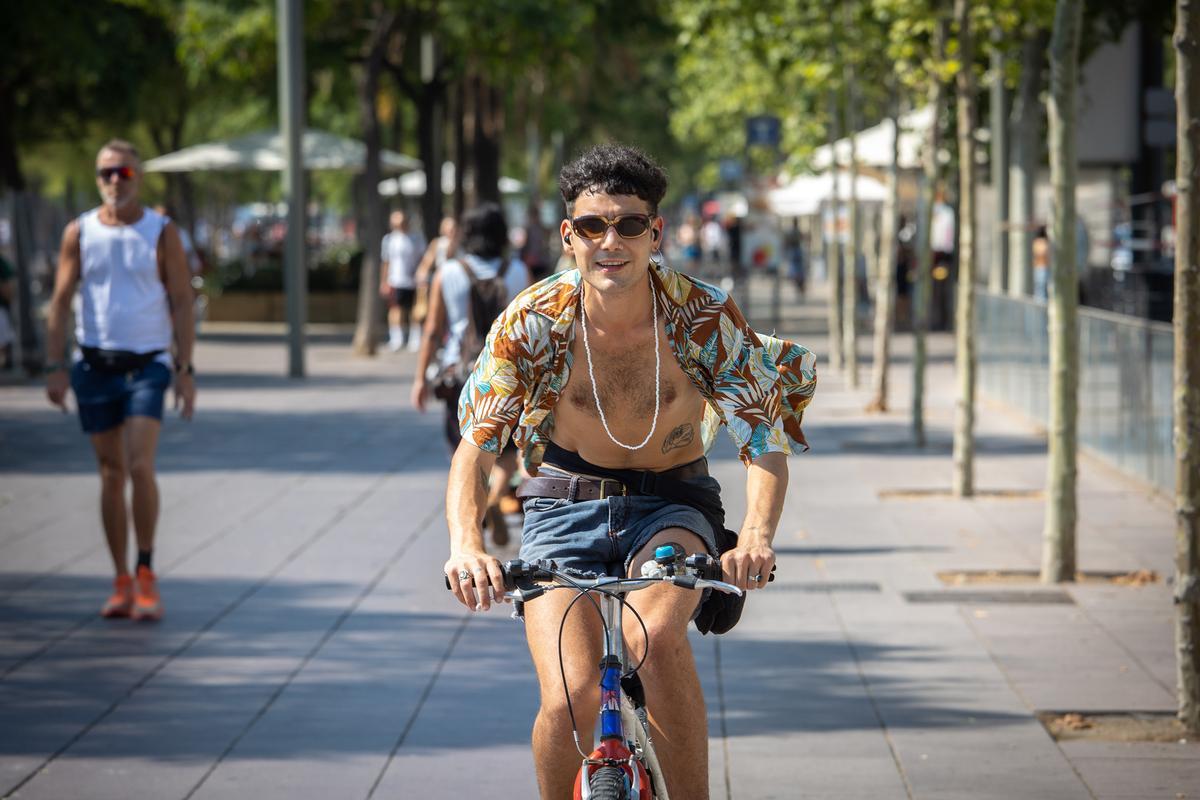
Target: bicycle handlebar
526,580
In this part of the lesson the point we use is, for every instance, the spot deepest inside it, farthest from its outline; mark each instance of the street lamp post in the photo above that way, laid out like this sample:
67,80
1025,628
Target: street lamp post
291,127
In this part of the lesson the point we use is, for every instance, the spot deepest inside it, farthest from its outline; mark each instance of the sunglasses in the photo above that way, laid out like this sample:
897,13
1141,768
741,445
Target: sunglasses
124,173
594,226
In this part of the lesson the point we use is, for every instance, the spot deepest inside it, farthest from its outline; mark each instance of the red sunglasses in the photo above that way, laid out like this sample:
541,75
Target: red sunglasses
124,173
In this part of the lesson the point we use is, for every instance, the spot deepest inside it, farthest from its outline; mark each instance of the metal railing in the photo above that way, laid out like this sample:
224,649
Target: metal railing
1125,380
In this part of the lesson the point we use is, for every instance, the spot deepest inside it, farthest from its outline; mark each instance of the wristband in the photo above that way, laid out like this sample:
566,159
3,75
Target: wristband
185,369
56,366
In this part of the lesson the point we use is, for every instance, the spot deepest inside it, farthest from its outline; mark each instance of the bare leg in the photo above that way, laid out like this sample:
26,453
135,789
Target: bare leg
405,322
556,760
110,460
678,721
141,444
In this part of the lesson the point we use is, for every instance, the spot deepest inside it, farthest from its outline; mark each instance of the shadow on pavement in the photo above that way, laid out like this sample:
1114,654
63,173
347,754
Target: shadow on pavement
373,666
368,441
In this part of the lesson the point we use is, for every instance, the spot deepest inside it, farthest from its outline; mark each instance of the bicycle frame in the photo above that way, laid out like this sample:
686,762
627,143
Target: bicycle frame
625,741
622,723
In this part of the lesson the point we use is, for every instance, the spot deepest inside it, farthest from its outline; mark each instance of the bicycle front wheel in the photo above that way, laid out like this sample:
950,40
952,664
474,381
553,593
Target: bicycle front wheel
608,783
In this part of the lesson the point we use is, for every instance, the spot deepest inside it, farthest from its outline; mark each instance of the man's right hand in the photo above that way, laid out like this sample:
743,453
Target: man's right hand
484,574
384,291
57,383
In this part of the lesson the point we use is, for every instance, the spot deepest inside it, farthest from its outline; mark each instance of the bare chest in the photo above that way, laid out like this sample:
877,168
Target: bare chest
624,383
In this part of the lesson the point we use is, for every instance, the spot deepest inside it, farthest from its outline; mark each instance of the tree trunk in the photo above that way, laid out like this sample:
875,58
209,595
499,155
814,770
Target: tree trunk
853,247
1026,128
458,119
429,146
923,287
833,260
489,131
26,347
366,330
997,271
885,291
1058,538
1187,362
964,323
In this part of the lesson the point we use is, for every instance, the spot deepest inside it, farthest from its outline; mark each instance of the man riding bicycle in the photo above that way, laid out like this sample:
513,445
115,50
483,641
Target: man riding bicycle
622,367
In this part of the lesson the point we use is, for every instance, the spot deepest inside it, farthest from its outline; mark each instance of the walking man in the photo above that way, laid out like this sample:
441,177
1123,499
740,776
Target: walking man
128,265
401,256
621,364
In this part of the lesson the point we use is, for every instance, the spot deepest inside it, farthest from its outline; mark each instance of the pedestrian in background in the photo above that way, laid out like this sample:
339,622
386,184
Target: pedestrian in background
129,266
468,293
1041,264
401,255
440,250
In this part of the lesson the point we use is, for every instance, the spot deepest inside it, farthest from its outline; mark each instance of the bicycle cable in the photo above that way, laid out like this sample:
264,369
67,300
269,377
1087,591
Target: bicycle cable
581,591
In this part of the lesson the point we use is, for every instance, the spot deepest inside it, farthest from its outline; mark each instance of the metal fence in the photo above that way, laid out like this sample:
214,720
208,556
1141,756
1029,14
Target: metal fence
1125,385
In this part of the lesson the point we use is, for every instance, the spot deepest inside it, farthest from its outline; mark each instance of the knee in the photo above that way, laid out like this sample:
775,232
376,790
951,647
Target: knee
141,470
112,473
585,702
668,644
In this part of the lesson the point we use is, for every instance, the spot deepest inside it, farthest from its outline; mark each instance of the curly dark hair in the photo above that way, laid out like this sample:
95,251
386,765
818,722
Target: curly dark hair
484,231
613,169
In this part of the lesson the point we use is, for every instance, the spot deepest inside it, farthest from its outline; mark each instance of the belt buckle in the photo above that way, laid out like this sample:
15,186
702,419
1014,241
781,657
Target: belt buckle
606,494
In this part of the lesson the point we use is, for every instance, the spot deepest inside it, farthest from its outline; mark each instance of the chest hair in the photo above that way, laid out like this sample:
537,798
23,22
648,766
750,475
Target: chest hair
624,380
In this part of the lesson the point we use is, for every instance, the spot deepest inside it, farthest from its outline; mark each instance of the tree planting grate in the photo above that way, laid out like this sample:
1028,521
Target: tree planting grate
829,586
993,596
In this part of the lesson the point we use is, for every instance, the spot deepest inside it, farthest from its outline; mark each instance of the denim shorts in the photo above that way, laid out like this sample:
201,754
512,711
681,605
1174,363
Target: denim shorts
603,536
105,399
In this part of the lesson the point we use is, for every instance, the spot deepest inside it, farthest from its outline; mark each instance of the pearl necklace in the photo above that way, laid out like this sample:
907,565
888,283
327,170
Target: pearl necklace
591,373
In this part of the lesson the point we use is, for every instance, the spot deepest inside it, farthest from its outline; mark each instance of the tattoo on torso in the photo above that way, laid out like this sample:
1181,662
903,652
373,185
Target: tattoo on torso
680,437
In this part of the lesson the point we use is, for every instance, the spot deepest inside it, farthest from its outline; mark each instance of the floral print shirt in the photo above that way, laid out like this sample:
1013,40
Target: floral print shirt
757,386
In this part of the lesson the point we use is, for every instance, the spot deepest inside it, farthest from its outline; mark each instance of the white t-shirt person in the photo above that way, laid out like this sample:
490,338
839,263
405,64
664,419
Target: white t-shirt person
402,253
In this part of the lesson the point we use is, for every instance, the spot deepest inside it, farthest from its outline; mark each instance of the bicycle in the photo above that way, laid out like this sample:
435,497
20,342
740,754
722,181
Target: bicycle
624,765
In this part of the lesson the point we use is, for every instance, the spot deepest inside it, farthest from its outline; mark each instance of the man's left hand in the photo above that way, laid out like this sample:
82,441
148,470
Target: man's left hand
185,394
745,562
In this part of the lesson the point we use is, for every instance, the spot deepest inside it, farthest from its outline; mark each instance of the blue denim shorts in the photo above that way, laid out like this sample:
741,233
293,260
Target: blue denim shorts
105,399
603,536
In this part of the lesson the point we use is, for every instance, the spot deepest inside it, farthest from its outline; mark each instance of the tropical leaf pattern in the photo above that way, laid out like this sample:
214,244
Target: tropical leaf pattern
756,386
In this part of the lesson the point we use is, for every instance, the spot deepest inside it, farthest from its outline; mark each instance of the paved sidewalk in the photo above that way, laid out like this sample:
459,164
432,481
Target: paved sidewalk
309,650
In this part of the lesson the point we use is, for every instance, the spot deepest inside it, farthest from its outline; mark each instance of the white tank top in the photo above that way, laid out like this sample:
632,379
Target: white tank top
123,302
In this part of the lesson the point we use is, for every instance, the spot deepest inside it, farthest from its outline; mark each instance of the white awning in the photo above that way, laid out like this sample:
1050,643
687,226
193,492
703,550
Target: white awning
264,151
805,194
874,144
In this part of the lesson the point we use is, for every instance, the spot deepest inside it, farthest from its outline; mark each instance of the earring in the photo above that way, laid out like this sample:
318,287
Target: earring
656,258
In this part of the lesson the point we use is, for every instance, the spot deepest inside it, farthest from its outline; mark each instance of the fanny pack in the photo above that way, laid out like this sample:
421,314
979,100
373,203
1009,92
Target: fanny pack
719,612
119,361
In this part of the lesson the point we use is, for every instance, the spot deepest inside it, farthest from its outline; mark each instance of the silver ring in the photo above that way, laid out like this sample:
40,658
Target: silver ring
464,575
756,578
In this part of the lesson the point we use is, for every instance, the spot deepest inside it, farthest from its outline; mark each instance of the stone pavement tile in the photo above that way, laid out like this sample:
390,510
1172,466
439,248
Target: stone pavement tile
986,760
1057,659
355,698
1141,770
1148,637
472,735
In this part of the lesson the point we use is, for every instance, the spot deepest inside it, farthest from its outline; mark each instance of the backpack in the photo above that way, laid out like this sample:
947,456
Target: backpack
487,298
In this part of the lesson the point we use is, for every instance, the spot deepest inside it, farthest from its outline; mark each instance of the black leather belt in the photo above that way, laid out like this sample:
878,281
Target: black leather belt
577,487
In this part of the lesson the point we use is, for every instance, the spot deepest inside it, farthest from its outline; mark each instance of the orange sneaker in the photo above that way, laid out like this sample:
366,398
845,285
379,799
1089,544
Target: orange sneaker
146,604
121,602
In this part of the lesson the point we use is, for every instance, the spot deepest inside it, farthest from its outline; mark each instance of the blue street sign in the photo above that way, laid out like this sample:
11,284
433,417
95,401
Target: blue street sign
762,130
